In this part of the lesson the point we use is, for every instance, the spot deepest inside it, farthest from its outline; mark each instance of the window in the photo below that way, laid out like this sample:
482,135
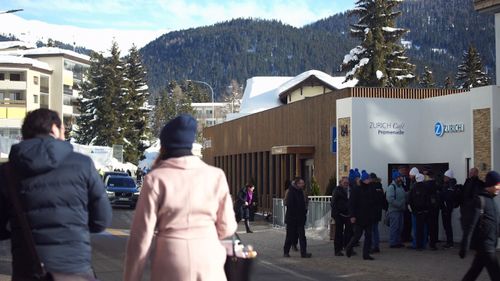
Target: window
2,76
2,95
68,90
15,77
67,100
35,80
15,96
35,98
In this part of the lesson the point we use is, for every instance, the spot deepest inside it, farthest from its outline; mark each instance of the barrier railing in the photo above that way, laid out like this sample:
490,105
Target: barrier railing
318,215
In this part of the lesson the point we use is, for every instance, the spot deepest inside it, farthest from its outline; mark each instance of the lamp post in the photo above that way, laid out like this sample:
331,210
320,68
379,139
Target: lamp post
11,11
212,91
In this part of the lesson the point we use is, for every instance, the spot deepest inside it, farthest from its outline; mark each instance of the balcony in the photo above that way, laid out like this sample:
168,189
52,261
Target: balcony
487,6
12,109
12,85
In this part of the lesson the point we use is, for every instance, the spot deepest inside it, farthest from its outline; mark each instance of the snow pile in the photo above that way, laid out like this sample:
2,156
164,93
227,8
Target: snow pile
361,63
379,74
16,44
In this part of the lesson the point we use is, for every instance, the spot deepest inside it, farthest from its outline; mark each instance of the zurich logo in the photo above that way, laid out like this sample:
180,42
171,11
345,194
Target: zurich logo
439,129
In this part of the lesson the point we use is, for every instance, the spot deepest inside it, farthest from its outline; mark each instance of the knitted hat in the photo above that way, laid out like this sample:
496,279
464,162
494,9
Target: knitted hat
179,133
449,174
492,179
395,174
364,175
356,173
351,175
419,177
414,171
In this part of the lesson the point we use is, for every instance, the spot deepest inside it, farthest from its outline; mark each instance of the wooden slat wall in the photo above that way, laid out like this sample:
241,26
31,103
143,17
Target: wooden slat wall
307,122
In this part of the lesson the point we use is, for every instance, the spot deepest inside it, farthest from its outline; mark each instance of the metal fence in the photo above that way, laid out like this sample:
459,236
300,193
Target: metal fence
318,215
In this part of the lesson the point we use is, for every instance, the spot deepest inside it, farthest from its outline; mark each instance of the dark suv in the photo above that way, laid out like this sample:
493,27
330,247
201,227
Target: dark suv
122,190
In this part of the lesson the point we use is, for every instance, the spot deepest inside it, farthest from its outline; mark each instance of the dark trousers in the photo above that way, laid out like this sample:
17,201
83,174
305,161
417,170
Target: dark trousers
343,233
358,231
433,224
446,216
483,259
420,219
406,233
294,229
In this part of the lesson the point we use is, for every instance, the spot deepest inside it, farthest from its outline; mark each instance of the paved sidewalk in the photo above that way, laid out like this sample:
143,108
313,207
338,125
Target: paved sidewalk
390,264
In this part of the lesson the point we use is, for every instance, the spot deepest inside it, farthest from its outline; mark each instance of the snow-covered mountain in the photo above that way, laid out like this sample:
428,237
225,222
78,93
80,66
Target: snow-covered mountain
32,31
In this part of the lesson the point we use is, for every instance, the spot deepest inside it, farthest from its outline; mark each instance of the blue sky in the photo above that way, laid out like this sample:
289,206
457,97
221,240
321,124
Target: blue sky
171,14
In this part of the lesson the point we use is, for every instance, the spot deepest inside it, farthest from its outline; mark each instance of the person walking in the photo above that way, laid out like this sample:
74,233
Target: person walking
419,202
448,205
340,213
396,198
433,216
295,218
63,197
471,186
378,207
361,209
481,230
244,202
185,206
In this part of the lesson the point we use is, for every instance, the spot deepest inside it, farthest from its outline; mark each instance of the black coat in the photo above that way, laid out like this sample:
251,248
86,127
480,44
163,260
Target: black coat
362,204
296,210
379,200
481,230
64,199
419,199
448,194
340,202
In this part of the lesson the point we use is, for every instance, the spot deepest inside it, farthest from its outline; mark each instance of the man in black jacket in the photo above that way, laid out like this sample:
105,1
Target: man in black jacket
340,213
64,199
362,211
481,230
471,186
295,218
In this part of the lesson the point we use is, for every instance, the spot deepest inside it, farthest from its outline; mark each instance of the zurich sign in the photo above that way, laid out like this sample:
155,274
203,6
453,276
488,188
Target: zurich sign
439,129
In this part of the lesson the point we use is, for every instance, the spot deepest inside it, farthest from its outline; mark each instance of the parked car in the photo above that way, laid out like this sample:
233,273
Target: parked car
122,190
107,174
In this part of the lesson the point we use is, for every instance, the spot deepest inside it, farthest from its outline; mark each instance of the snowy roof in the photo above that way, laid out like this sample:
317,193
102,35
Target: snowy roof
54,51
22,60
336,83
262,93
16,44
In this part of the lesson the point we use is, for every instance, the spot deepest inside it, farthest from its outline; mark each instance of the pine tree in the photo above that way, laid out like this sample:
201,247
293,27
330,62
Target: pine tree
91,94
470,72
137,134
171,102
379,60
427,80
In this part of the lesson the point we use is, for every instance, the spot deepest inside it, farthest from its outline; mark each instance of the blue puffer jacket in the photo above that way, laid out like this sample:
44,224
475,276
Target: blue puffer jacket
64,199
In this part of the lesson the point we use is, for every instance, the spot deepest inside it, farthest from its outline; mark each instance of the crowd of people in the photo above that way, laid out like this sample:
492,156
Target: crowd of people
413,202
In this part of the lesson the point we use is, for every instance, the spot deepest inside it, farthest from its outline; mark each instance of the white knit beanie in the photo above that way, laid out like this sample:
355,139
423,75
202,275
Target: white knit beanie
414,171
449,174
419,177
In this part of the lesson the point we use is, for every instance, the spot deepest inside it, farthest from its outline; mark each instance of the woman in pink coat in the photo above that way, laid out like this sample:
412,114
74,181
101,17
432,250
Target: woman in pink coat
185,204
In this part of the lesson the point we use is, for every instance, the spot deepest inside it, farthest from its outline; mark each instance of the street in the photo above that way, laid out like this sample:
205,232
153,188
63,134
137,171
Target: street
391,264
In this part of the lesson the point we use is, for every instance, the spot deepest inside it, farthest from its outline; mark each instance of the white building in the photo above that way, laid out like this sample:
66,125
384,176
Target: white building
38,78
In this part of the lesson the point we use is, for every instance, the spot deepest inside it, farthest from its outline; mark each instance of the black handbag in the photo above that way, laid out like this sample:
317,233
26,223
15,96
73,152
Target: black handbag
238,268
41,273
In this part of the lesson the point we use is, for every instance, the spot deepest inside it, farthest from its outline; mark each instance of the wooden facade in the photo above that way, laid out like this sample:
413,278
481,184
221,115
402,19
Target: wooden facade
272,146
